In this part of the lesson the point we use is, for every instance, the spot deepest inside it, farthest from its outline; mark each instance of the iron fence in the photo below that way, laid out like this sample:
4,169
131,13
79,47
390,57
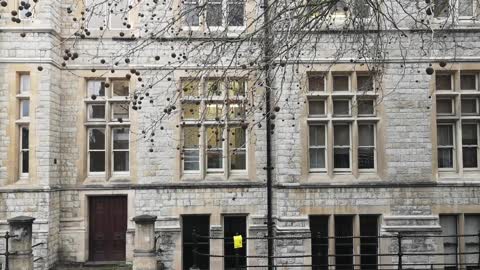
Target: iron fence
7,253
399,259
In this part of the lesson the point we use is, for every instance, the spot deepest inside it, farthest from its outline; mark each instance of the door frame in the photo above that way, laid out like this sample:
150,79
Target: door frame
84,212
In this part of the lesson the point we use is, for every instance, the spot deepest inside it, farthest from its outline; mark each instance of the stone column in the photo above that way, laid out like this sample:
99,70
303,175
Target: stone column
144,254
21,244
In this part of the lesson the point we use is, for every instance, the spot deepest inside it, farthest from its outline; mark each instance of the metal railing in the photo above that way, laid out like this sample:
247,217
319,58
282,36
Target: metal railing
398,259
7,252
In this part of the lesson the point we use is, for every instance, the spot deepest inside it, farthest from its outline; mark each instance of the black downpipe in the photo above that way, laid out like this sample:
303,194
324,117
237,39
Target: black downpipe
267,50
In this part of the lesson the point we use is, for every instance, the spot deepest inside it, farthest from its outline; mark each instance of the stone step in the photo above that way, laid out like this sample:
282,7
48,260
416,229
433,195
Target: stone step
94,266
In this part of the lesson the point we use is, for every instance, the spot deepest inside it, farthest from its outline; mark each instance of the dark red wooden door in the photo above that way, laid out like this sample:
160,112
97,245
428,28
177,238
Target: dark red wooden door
108,227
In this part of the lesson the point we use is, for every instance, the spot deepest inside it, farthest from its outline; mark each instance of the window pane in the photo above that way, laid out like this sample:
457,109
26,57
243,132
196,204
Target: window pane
443,82
364,83
319,229
368,245
121,138
96,14
236,111
201,225
25,161
445,135
340,83
118,14
236,12
24,83
121,161
317,135
341,158
341,107
237,142
191,111
96,139
97,161
191,160
214,148
366,136
213,88
366,107
361,9
236,88
120,111
343,244
316,83
465,8
25,143
317,158
96,88
25,108
444,106
192,13
366,157
472,226
470,157
468,82
190,88
441,8
191,137
316,107
449,227
214,111
469,106
469,134
120,88
214,13
445,158
341,135
96,111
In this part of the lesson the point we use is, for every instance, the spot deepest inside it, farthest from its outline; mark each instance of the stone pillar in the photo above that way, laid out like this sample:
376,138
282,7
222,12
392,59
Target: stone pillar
144,254
21,244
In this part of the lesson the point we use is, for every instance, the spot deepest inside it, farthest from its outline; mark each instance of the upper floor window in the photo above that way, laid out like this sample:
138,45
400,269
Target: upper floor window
339,9
214,13
459,9
342,238
214,140
458,112
342,117
108,126
101,14
23,123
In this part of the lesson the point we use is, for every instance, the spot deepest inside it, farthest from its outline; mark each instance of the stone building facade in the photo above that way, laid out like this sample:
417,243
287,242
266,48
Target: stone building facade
413,173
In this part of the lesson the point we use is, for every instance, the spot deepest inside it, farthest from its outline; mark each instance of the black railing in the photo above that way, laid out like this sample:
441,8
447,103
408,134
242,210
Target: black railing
400,254
7,252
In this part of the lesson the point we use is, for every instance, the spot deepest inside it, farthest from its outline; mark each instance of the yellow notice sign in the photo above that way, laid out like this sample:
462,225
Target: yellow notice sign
237,241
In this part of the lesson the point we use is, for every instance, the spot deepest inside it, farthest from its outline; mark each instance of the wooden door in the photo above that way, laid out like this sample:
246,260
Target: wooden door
108,227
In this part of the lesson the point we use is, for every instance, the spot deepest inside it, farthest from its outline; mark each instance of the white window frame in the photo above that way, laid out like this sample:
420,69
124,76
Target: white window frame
453,12
452,147
102,173
203,14
243,148
471,146
23,151
349,147
452,82
112,153
374,146
324,147
203,98
476,81
374,110
452,105
108,123
349,101
349,76
107,15
476,106
23,101
324,114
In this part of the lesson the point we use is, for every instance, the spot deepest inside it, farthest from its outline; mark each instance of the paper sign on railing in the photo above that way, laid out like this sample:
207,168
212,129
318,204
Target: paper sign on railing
237,241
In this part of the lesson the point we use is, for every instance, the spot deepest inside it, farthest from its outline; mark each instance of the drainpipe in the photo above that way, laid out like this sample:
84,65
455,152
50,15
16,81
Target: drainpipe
267,55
